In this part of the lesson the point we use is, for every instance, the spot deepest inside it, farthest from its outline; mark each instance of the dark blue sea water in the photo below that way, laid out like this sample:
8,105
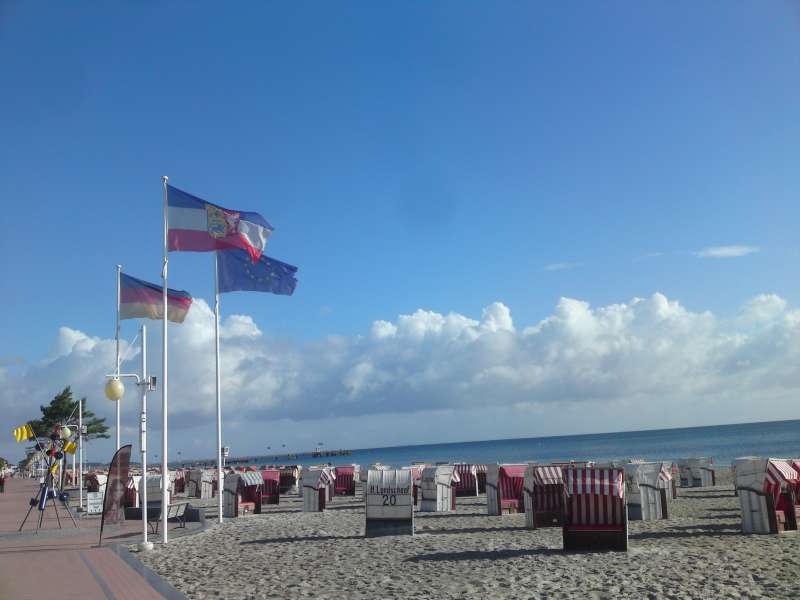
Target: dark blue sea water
722,442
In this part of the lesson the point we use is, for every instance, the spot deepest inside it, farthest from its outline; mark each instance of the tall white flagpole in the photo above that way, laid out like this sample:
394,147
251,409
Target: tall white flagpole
116,372
220,480
164,384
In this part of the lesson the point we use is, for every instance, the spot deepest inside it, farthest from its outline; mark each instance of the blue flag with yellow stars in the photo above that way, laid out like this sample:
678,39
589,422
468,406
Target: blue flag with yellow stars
237,272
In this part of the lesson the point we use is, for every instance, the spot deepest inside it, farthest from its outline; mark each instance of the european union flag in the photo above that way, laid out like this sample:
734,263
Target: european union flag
237,272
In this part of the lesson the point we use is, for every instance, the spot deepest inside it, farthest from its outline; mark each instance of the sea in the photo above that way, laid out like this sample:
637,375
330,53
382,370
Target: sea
723,443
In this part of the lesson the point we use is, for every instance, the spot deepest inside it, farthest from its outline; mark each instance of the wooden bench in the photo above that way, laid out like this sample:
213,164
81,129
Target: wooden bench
174,511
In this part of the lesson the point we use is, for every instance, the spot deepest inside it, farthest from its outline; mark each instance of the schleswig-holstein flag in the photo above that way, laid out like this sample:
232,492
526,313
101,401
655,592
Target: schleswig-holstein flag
199,226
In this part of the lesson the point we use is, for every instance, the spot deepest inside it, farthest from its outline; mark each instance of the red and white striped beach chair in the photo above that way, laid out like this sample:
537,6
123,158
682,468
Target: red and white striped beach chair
132,491
767,495
468,480
504,489
595,516
345,481
271,490
544,496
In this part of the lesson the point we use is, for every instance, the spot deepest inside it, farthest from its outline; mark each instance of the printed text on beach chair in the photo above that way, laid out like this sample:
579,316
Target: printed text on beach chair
544,496
766,489
345,484
271,490
595,516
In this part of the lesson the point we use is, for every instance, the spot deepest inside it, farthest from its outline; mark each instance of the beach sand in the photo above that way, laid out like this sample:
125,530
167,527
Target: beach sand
698,553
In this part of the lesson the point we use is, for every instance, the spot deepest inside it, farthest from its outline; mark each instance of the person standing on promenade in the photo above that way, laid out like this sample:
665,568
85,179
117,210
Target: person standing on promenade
2,483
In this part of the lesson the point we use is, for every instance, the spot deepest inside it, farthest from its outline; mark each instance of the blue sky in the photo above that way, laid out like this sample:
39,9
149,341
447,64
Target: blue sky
438,156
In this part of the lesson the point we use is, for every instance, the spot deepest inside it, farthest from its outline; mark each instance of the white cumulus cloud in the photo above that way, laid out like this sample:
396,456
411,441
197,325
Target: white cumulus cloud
727,251
643,363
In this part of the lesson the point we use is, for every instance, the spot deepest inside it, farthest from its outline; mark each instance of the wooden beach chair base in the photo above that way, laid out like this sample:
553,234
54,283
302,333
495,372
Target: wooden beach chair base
595,537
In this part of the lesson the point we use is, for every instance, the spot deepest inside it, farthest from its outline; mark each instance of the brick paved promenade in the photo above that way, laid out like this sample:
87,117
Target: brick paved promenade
67,563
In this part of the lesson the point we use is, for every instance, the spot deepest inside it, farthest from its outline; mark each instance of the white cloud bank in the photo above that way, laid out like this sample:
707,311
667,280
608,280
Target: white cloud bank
727,251
646,363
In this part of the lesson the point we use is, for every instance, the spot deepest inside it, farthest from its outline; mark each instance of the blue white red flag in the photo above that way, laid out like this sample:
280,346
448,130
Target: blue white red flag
236,272
199,226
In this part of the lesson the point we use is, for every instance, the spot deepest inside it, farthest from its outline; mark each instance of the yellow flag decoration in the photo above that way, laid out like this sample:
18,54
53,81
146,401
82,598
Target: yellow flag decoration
23,433
70,447
54,467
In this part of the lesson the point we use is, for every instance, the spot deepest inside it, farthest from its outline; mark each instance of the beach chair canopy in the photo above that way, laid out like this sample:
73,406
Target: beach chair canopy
601,482
513,470
779,473
316,479
547,475
251,478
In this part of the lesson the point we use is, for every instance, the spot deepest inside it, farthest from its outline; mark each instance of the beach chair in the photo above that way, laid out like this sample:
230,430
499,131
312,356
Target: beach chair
544,496
290,476
179,485
132,491
767,494
468,479
697,472
504,485
315,484
153,482
241,493
345,481
646,491
271,490
595,515
388,503
437,488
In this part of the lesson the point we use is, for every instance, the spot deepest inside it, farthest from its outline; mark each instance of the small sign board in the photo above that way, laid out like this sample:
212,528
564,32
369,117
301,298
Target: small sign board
94,503
389,503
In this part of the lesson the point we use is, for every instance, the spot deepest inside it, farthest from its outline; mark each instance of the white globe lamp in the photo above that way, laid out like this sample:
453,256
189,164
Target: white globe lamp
115,390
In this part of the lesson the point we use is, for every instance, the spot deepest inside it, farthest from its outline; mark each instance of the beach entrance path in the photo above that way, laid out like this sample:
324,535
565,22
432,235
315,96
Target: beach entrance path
67,563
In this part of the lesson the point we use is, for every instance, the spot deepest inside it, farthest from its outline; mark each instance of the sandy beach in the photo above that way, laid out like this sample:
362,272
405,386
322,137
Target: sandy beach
698,553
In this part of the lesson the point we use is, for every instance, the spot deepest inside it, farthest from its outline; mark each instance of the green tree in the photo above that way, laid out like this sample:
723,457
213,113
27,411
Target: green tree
3,463
61,408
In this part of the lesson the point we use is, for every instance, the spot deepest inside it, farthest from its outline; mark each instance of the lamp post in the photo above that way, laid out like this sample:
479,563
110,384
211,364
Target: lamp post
114,391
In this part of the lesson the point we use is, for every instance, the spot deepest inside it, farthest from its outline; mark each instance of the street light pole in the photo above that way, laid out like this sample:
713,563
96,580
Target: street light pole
145,385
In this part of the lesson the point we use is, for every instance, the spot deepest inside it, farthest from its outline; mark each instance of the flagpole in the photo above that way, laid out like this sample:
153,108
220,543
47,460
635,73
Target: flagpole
116,372
164,470
220,480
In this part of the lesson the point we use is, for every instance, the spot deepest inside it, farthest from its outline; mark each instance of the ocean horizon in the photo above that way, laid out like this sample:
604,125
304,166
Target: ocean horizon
723,443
